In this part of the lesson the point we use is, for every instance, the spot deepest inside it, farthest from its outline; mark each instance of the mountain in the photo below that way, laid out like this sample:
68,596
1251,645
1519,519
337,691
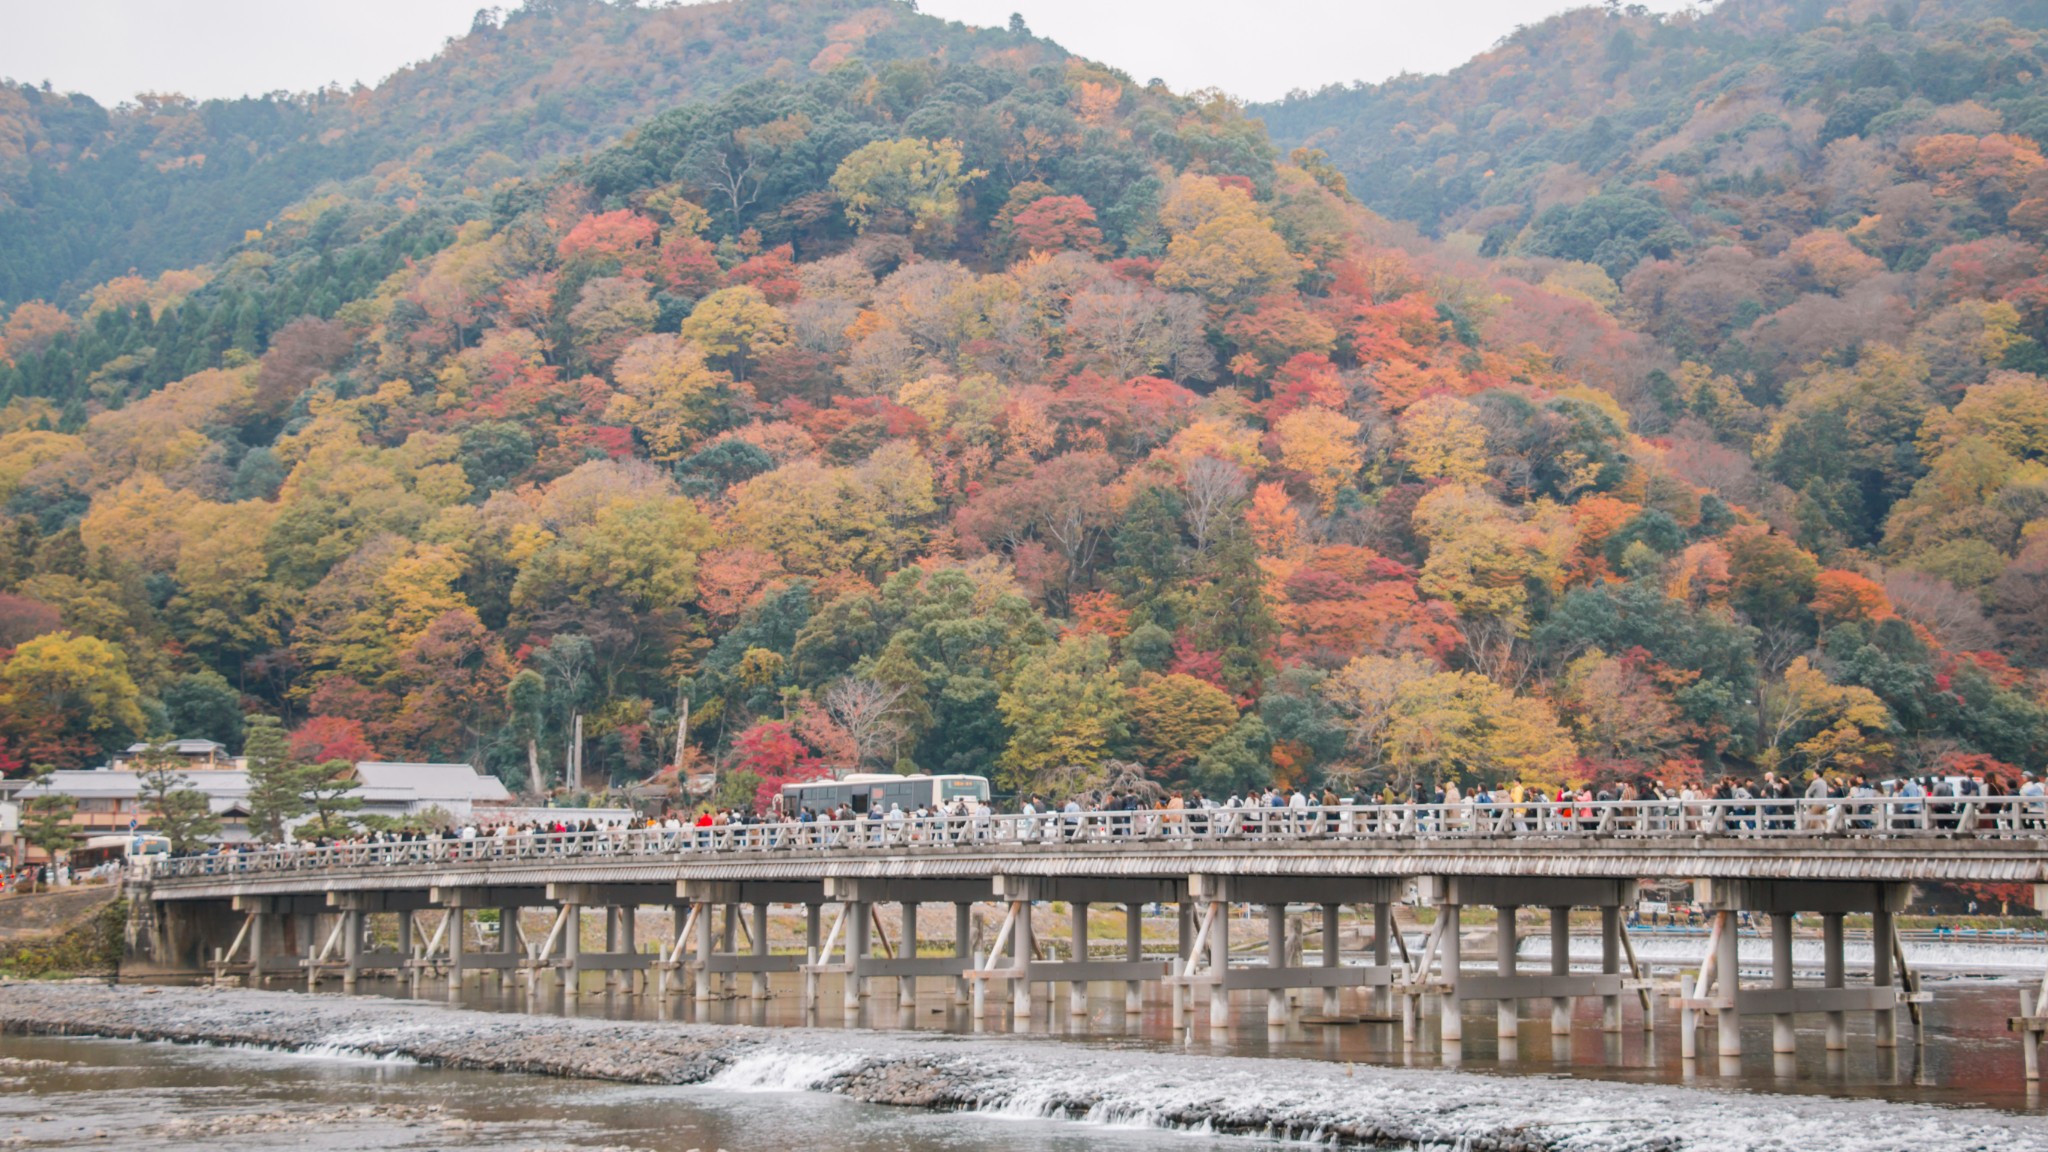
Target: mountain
991,412
88,193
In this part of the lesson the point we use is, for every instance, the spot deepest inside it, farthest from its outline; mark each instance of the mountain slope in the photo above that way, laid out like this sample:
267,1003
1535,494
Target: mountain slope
88,193
1004,415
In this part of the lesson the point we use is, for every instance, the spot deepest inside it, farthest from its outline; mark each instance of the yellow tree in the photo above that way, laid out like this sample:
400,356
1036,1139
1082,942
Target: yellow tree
138,521
641,552
909,184
1365,692
1460,725
666,392
819,520
69,694
1442,439
1223,245
1822,724
1177,718
226,603
1323,446
735,327
1480,558
1065,709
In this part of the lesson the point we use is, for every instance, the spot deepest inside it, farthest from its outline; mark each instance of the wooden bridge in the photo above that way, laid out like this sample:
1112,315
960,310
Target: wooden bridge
307,911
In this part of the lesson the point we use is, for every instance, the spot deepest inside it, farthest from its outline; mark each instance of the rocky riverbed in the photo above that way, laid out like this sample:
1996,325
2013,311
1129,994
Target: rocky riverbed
1336,1104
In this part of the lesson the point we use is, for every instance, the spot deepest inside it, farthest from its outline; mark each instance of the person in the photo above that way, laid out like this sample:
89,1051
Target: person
1907,812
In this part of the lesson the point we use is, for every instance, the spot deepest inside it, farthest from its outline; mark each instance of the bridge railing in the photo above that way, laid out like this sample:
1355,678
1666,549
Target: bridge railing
1873,818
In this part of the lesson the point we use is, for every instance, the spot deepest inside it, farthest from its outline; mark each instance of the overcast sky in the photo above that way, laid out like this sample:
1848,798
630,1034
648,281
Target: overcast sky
1257,49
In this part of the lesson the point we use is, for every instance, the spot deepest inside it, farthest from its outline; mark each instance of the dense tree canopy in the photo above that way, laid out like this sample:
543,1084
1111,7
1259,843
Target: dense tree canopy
973,408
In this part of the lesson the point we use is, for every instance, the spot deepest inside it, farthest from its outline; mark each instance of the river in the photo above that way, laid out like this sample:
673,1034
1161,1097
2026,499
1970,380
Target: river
72,1093
1968,1057
380,1070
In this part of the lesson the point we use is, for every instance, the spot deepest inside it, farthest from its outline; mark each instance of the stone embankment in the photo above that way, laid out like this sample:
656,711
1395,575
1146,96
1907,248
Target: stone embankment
1338,1105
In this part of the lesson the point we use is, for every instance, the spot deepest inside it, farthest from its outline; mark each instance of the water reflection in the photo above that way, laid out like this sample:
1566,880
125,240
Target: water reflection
1967,1057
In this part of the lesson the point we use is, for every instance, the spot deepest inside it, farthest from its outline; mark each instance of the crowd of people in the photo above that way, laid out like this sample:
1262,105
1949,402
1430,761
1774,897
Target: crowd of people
1773,804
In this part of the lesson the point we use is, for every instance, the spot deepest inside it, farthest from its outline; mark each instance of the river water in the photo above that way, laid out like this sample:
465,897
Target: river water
1967,1057
71,1093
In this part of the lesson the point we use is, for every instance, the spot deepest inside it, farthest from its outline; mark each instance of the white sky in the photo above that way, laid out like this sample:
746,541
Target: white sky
1256,49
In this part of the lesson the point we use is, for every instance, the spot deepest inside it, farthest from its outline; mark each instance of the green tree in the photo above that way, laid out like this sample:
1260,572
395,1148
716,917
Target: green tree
1065,709
177,811
204,706
526,699
330,796
46,818
904,185
277,781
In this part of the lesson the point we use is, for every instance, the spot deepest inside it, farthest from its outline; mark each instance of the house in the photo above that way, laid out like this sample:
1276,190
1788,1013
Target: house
399,790
109,799
193,756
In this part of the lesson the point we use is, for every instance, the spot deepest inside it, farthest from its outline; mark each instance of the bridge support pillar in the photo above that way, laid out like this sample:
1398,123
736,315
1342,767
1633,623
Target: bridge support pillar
351,947
510,945
1507,1012
1183,949
571,972
1277,1009
1887,1019
611,944
706,930
1077,949
858,915
1021,948
728,941
813,955
455,930
963,948
1219,963
1453,1026
256,942
1383,955
1834,974
757,984
1784,1039
1134,951
1728,971
1561,966
1333,956
906,984
1610,966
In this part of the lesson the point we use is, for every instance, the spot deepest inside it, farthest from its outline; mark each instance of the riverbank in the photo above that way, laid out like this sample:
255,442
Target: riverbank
1353,1106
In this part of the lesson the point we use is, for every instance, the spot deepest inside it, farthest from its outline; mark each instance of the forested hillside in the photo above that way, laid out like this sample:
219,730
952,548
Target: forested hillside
999,414
88,193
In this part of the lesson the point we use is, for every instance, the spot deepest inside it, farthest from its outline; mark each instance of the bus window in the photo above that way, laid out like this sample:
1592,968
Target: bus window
860,802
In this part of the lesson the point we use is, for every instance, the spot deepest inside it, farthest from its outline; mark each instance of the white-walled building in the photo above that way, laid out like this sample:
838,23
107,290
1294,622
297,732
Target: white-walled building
109,799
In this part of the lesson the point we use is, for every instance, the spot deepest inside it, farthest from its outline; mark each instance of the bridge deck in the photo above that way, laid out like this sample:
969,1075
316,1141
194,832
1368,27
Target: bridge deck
1856,841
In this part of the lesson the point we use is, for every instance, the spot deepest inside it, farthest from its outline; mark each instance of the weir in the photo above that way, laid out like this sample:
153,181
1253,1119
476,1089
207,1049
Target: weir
256,916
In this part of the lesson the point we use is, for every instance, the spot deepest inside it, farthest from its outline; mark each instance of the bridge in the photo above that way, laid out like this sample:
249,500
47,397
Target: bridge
308,910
